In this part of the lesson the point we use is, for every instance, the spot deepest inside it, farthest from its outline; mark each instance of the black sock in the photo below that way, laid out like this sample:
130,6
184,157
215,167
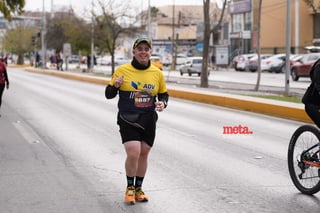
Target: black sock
130,181
138,182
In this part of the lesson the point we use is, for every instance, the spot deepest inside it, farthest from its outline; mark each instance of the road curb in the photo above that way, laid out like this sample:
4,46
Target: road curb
245,103
258,105
73,76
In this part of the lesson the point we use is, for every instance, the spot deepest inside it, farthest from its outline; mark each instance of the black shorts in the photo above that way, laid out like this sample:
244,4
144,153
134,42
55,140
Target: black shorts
141,127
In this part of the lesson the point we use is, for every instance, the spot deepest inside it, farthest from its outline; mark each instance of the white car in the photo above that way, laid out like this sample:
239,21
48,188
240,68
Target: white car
193,65
181,59
267,63
252,65
121,60
280,66
243,61
104,60
118,60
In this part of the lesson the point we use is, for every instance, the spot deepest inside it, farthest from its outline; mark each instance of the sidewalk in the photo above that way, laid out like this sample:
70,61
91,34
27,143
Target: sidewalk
206,95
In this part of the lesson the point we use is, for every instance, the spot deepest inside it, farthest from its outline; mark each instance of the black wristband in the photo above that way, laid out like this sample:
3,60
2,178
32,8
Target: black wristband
165,103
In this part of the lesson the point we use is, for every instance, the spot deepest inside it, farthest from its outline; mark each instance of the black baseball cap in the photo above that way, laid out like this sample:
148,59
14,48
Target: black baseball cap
142,40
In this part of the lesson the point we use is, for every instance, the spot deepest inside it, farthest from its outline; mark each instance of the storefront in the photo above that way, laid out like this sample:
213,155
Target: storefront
241,27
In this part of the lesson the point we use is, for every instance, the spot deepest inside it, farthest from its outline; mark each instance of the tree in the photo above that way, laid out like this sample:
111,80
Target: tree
206,38
18,41
217,27
71,29
8,7
108,28
154,11
207,32
258,46
56,35
315,8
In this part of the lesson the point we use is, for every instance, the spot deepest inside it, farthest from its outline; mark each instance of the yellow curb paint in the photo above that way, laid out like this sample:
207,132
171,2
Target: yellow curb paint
73,76
242,104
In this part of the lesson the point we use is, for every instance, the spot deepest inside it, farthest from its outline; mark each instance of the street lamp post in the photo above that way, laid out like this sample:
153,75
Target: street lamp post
288,42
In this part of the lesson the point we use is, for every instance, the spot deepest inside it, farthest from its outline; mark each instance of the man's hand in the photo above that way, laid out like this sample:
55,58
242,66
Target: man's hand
159,106
119,81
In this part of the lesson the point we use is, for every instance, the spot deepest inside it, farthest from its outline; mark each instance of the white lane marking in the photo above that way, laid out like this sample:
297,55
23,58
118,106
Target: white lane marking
28,134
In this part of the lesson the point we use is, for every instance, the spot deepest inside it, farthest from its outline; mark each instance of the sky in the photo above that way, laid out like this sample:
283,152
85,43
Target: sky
80,5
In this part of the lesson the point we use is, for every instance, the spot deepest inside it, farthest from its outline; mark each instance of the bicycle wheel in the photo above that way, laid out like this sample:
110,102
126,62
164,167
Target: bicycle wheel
304,145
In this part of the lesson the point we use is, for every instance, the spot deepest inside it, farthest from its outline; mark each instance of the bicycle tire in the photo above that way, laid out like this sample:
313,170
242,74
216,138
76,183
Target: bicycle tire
309,180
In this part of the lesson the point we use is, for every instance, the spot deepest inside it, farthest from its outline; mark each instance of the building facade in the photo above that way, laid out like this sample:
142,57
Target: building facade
240,26
244,26
181,27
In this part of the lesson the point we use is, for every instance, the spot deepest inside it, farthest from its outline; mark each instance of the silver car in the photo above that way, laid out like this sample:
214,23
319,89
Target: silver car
193,65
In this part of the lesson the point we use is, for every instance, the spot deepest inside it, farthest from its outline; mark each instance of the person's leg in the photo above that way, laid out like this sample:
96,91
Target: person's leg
137,158
141,171
143,159
142,164
148,137
2,86
133,150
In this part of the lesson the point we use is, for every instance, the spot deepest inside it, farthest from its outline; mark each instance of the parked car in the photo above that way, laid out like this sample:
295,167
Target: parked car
104,60
234,62
234,56
181,59
156,61
312,49
74,59
118,60
121,60
279,66
193,65
302,67
253,62
268,62
242,61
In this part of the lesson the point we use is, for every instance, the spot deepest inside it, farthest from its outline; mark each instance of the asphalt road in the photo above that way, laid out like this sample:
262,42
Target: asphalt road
60,151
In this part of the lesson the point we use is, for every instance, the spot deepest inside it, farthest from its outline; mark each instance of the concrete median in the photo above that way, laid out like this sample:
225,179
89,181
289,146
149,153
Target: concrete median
259,105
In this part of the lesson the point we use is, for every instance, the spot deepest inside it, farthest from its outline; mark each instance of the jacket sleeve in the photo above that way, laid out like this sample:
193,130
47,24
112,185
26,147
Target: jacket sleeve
111,92
316,76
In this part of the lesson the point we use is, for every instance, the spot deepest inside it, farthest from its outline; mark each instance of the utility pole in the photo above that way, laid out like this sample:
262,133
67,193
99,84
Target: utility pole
173,49
288,44
92,39
149,20
297,26
52,9
43,38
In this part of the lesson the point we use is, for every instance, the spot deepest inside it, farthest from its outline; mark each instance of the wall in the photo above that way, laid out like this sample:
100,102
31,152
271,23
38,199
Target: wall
273,25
